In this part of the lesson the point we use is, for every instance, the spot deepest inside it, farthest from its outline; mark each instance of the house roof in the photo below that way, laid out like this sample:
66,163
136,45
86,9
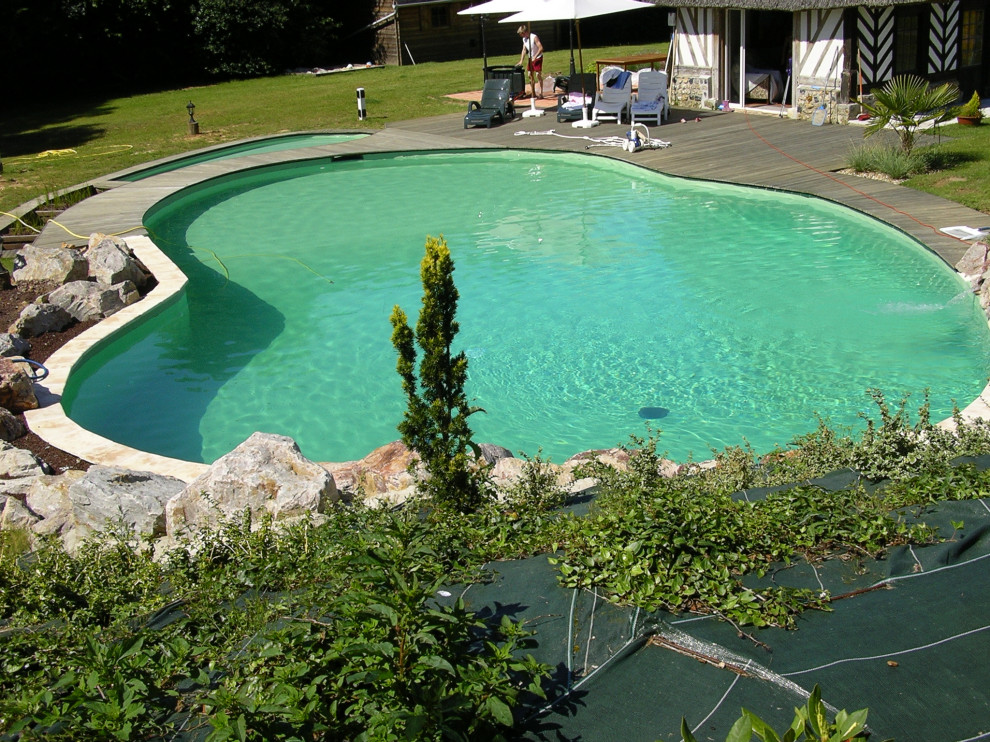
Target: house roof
790,5
787,5
407,3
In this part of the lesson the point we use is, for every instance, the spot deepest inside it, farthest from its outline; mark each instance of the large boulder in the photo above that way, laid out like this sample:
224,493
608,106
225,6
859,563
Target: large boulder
16,389
493,453
618,459
11,427
14,515
37,319
48,495
975,261
86,300
267,474
111,498
13,345
48,498
18,469
381,477
112,262
47,264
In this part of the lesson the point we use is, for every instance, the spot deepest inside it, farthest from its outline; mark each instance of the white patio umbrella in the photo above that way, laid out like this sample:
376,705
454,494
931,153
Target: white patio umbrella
572,10
491,7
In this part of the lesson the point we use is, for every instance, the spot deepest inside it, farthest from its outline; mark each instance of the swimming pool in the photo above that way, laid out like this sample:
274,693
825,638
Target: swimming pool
595,295
253,147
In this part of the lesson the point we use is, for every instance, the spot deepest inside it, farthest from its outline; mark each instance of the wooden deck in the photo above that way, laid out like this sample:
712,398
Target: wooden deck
752,149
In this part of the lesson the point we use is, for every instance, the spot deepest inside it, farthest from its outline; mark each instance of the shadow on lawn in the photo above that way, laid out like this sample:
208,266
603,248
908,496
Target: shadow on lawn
38,129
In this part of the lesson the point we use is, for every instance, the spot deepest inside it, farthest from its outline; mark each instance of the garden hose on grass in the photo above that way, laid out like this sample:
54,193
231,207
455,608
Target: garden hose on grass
66,229
68,152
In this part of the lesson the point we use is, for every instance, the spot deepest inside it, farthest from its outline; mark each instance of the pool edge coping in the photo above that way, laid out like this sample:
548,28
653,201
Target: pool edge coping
51,423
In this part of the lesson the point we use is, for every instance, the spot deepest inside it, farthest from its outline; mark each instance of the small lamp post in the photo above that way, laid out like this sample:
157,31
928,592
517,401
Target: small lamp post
192,124
362,111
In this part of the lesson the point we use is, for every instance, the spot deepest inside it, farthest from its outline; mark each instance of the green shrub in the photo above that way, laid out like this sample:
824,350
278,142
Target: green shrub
891,161
971,107
537,490
435,423
297,633
810,723
906,103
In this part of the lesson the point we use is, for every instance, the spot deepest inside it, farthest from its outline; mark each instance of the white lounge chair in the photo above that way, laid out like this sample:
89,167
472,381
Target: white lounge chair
615,97
650,101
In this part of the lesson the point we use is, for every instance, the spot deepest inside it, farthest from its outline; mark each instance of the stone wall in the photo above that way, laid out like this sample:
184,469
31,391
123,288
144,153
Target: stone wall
810,98
690,88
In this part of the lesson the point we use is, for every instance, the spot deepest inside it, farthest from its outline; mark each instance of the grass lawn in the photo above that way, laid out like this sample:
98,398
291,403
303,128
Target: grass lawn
59,142
967,181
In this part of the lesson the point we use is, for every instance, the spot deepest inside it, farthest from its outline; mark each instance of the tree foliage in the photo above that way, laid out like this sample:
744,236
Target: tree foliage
100,45
242,38
435,423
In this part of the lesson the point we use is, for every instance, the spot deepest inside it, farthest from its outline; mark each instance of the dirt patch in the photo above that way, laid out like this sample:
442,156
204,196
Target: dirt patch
12,301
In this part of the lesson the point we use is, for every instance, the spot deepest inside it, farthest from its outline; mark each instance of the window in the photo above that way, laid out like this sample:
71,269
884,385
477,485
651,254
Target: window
907,41
440,16
971,38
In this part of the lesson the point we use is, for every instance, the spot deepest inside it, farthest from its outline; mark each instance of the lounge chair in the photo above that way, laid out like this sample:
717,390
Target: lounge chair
615,97
650,102
569,103
496,104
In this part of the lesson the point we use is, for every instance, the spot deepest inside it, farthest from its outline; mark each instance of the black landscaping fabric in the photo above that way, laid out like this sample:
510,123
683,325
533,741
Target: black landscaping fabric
907,636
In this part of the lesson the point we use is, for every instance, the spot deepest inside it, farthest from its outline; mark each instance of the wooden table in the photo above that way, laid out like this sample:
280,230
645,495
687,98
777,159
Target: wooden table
624,62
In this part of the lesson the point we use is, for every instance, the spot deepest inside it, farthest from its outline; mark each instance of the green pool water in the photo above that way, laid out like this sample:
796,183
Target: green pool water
254,147
595,296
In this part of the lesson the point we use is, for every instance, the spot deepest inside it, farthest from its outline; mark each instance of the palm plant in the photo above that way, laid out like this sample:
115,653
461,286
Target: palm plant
906,103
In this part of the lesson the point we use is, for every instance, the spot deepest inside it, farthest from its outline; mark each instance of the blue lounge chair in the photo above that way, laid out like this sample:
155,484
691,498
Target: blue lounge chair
496,104
569,104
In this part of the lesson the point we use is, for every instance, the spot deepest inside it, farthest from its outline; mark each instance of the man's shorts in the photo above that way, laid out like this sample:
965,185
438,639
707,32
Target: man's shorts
535,65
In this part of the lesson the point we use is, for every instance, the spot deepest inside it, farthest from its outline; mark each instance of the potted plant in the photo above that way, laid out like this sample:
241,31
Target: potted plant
969,114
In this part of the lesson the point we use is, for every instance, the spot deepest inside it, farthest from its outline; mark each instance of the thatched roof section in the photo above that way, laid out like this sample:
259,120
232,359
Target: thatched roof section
789,5
786,5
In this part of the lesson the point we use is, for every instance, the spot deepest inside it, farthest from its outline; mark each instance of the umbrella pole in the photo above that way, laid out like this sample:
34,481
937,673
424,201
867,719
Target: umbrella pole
585,122
570,38
484,48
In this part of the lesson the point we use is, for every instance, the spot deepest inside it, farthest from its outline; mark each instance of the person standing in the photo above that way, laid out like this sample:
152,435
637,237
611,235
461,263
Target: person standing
532,48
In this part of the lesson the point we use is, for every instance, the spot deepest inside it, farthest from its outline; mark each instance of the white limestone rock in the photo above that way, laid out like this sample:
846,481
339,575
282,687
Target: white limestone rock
108,498
13,345
37,319
111,262
48,495
14,515
59,264
265,474
18,469
87,300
